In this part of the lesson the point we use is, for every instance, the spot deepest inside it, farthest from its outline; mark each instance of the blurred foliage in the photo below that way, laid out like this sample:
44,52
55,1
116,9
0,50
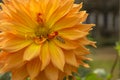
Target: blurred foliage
86,75
6,76
118,47
98,74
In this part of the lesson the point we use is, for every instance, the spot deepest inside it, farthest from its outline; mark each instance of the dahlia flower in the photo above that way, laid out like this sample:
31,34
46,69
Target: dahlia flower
42,39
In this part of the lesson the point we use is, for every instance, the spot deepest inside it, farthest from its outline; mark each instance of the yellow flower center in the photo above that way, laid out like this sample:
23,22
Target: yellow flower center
41,36
42,33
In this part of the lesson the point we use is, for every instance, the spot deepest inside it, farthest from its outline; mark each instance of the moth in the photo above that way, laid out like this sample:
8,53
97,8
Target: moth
59,38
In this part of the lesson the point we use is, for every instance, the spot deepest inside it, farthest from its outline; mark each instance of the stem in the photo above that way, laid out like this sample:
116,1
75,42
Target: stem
119,68
119,36
114,65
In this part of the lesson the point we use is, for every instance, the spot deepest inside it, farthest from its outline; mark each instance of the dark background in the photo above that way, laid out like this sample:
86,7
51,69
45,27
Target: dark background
105,14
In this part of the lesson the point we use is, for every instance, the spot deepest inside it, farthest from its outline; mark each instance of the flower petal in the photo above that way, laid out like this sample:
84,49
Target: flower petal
83,27
15,60
19,74
39,4
83,18
70,58
41,76
69,69
33,67
65,22
44,55
51,73
76,8
51,8
18,15
85,41
72,34
20,28
61,76
15,44
32,51
66,45
61,11
57,56
3,57
81,50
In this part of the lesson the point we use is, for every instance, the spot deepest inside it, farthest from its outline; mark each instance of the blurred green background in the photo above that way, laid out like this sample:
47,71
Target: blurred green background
106,62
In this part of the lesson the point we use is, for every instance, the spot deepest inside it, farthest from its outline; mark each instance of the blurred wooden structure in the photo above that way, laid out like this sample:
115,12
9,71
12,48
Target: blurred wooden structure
105,14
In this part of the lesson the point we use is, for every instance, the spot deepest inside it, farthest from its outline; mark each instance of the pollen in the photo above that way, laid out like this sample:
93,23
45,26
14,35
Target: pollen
29,35
38,40
39,18
52,35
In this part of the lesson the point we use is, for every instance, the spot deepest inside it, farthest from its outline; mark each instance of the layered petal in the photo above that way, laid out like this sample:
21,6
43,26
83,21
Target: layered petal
32,51
70,58
20,73
76,8
34,67
65,22
3,57
72,34
57,56
83,27
81,50
41,76
85,41
13,60
45,55
15,44
51,8
63,9
69,69
51,72
65,44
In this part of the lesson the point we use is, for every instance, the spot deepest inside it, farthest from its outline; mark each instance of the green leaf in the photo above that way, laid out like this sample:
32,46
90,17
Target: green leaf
109,76
93,76
28,78
78,78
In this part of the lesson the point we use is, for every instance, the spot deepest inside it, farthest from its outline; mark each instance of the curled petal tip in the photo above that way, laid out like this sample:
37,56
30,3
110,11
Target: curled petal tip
86,65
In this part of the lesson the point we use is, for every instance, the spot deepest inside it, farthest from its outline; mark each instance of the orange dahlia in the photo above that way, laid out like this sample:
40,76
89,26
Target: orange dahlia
42,39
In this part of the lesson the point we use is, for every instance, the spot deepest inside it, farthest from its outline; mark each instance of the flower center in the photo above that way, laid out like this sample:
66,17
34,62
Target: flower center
39,18
39,39
42,33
